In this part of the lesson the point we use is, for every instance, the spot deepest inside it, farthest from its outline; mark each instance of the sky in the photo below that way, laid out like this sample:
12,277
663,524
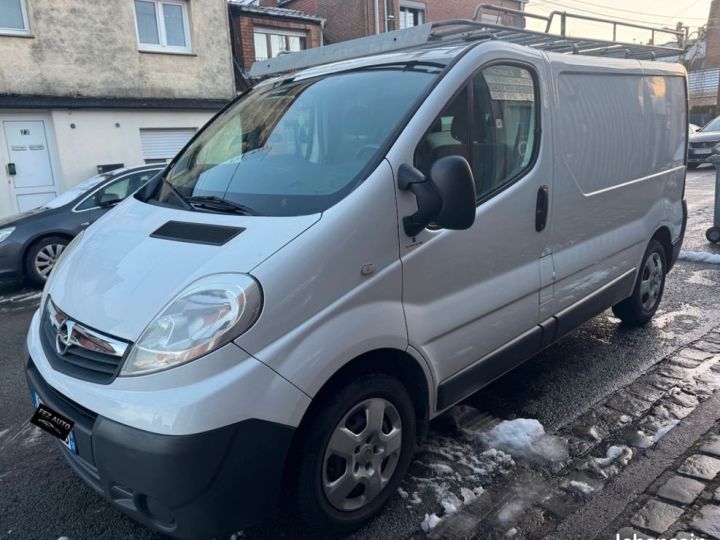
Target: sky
656,13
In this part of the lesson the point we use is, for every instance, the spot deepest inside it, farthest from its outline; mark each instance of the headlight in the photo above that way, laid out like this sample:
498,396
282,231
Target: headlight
206,315
4,233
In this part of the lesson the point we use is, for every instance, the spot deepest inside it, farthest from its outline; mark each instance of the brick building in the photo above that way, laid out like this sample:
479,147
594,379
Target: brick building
349,19
258,32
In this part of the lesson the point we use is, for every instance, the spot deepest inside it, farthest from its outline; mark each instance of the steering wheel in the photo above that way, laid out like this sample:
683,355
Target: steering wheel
366,151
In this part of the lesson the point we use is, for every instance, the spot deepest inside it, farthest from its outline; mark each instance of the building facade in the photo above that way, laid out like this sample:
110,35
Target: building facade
85,85
261,32
349,19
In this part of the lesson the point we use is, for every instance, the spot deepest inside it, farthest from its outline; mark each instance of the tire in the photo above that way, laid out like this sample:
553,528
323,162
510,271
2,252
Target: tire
713,234
41,257
639,308
319,468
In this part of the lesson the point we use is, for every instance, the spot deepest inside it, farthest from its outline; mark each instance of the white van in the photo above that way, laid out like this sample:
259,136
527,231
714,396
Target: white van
343,253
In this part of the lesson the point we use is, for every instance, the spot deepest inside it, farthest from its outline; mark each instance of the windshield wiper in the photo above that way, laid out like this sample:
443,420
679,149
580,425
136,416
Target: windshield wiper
220,205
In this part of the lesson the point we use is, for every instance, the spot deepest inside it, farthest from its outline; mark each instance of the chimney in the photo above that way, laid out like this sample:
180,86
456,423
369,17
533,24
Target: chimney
712,57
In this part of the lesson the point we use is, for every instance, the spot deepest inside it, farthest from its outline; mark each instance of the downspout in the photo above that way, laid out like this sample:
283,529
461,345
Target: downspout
377,16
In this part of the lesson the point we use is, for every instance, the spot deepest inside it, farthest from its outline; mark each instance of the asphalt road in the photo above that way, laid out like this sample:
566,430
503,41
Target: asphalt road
40,498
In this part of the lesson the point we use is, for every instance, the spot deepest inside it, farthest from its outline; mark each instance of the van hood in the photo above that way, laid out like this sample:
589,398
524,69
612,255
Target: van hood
118,277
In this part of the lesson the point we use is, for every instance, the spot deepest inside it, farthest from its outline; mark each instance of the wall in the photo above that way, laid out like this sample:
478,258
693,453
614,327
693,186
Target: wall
95,140
82,48
712,56
349,19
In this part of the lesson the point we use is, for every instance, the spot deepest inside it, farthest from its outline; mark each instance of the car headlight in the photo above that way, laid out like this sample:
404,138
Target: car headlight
4,233
208,314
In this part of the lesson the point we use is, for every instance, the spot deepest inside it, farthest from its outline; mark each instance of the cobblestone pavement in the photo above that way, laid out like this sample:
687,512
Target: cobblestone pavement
626,430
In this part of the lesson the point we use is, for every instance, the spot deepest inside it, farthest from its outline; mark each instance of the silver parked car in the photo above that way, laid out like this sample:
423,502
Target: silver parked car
341,255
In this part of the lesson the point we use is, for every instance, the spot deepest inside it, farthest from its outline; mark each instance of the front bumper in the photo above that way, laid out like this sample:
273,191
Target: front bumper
190,486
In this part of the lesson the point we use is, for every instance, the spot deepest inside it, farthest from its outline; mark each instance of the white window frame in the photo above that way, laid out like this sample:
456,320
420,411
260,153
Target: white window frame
25,31
163,47
279,31
411,5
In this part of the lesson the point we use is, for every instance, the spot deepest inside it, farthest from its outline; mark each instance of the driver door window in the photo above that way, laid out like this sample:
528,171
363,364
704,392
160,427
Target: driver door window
122,188
492,124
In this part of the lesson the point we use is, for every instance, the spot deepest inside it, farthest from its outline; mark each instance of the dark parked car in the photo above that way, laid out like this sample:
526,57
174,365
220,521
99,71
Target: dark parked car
702,144
31,242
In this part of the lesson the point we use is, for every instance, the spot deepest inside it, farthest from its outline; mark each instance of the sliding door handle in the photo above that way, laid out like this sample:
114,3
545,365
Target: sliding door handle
541,209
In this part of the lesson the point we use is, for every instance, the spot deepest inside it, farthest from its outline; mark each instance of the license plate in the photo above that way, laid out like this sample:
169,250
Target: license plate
703,151
53,422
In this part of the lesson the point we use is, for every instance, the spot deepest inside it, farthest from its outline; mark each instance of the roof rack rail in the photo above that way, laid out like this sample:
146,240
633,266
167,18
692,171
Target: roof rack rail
473,30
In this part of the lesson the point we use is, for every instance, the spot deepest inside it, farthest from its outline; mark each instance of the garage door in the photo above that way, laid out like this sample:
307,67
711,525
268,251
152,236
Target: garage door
159,145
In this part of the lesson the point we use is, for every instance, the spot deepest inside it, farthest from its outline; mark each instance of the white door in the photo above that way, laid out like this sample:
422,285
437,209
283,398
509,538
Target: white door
33,183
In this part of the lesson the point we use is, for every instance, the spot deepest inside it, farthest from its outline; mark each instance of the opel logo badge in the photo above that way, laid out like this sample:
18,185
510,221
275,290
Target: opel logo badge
64,338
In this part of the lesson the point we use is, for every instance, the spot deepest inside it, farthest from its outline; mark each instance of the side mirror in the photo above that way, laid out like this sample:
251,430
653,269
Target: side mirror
108,199
446,198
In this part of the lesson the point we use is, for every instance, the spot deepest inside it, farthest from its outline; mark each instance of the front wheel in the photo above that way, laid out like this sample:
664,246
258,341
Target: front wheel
41,258
639,308
353,453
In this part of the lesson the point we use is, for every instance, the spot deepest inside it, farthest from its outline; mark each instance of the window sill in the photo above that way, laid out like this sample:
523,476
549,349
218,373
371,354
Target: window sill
8,33
173,53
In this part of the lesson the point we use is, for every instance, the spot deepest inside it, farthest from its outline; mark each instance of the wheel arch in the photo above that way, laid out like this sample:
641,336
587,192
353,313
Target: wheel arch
663,236
37,238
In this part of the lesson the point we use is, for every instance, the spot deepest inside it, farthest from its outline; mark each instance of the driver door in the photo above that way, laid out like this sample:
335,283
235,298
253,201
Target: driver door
472,298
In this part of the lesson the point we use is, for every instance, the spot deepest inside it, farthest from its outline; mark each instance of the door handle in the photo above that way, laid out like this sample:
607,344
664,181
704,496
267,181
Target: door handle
541,209
12,170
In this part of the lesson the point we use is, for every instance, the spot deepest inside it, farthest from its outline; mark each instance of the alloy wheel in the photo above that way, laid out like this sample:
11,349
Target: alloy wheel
46,258
651,281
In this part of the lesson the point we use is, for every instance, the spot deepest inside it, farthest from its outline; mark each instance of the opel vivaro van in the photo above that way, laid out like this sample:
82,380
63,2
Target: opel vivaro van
343,253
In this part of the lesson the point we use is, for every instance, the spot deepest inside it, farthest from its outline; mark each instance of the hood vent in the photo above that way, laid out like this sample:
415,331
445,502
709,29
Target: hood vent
197,233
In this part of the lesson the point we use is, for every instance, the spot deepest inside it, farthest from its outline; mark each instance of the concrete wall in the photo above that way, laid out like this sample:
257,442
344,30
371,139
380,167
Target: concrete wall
76,151
712,56
90,48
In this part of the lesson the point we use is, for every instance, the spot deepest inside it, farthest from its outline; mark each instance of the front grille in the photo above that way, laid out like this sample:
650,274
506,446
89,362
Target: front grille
82,352
709,144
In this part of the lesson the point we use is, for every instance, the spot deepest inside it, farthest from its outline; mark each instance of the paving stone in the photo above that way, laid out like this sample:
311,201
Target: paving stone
694,354
716,497
656,516
683,399
636,438
707,521
628,403
561,504
674,372
707,346
646,391
577,447
626,533
681,490
714,337
683,362
654,379
661,415
702,467
712,446
711,377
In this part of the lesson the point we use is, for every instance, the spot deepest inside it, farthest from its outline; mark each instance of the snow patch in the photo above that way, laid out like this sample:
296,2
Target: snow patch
404,494
440,469
699,257
430,522
580,487
526,439
451,504
415,499
664,430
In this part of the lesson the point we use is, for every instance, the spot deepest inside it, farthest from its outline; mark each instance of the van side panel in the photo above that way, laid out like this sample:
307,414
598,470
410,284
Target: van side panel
336,293
619,155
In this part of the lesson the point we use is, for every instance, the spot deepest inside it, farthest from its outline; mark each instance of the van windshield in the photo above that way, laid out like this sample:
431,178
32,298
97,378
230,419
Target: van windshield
297,147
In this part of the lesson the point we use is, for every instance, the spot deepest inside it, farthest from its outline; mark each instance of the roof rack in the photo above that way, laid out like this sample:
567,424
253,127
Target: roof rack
473,30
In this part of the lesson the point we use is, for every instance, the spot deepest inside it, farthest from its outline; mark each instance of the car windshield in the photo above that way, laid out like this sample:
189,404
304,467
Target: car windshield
713,125
81,188
297,147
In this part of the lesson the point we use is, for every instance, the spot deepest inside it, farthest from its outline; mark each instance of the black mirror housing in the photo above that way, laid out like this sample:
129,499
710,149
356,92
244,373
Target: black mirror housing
453,179
447,198
108,199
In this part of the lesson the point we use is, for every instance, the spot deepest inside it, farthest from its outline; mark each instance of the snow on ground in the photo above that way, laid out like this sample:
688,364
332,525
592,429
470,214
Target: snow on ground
699,257
526,439
660,433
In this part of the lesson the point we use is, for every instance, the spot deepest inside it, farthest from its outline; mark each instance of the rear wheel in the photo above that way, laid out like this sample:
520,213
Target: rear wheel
639,308
41,258
353,454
